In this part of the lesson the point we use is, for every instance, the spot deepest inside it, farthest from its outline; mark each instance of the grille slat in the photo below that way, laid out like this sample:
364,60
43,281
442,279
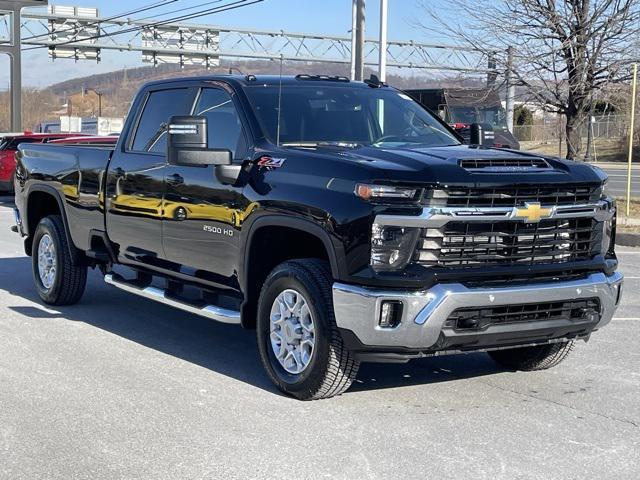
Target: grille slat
514,196
508,243
478,318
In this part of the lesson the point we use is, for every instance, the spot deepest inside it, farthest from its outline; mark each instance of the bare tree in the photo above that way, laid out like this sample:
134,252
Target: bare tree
565,51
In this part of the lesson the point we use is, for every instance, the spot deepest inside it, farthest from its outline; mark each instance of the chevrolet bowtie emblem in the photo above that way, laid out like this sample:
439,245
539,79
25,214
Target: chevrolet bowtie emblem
532,212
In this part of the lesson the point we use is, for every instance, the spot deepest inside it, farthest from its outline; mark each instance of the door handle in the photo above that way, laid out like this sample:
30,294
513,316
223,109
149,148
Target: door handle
175,179
119,172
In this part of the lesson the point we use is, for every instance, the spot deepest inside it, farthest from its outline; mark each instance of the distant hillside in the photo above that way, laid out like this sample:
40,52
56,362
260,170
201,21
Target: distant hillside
120,86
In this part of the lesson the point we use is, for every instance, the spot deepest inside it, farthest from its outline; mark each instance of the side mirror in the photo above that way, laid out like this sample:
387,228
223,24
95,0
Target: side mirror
187,143
481,133
475,134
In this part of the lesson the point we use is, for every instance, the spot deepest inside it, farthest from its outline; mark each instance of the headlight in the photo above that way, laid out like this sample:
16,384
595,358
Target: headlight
392,247
387,193
609,230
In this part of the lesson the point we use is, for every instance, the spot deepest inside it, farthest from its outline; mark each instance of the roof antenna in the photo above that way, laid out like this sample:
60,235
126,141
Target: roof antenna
279,104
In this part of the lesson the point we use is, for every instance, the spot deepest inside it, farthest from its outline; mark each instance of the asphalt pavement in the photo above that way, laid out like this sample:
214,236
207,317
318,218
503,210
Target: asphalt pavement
618,179
119,387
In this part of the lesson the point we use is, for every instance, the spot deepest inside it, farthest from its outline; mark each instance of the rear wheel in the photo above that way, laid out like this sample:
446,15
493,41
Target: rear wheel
539,357
57,279
299,342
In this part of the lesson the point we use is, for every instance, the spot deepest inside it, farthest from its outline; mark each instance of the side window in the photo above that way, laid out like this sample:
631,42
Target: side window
161,105
223,123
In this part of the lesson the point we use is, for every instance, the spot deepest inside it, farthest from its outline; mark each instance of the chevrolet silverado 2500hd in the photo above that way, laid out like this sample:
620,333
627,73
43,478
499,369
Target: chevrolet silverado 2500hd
340,219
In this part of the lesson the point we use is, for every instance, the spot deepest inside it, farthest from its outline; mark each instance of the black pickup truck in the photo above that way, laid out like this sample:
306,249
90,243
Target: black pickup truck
340,219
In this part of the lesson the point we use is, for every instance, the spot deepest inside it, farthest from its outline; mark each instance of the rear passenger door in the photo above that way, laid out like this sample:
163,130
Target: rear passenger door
135,181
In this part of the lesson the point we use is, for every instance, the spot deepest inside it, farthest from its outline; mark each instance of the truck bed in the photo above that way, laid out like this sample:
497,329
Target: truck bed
77,174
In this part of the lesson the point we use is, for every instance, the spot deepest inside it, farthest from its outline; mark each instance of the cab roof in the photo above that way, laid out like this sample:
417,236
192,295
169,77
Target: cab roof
269,80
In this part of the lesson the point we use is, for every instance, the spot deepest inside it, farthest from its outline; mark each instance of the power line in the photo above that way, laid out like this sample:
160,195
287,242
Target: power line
144,8
209,11
142,19
178,10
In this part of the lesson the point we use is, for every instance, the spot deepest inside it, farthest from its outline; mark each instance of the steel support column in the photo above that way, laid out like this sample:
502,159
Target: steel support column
383,40
360,27
12,49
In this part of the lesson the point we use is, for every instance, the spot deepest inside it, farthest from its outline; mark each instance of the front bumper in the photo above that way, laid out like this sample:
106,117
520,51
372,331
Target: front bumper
424,313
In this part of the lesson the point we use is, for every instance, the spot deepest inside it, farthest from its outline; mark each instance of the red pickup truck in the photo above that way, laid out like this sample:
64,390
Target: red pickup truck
9,146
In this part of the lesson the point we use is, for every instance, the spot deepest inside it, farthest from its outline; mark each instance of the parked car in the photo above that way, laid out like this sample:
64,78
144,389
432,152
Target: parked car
8,148
341,220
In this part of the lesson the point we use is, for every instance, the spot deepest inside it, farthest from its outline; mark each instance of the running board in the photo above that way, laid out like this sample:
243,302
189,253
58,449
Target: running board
157,294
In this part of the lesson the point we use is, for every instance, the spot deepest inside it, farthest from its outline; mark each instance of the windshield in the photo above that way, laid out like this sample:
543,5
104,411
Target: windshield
342,115
495,116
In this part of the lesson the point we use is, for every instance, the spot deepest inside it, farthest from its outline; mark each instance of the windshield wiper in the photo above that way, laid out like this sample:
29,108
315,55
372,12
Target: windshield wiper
321,144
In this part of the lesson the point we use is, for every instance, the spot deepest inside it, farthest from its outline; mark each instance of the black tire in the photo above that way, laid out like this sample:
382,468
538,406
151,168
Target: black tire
529,359
332,368
69,280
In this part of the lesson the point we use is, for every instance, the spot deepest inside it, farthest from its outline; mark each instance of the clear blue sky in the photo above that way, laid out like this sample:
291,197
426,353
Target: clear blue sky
313,16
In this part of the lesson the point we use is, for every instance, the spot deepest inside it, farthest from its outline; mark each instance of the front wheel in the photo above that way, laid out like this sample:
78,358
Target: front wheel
299,342
58,280
539,357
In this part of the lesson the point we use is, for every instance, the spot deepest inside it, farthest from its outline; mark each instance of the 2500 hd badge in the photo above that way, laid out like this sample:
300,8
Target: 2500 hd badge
220,231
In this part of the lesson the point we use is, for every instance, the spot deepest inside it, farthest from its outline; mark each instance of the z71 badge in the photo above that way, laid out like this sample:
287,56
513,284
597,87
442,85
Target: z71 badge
270,163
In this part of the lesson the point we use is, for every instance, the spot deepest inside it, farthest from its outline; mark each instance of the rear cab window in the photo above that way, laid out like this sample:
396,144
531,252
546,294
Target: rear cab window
12,143
160,105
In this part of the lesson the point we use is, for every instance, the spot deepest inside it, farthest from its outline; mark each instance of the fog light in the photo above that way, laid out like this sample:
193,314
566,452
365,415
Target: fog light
390,314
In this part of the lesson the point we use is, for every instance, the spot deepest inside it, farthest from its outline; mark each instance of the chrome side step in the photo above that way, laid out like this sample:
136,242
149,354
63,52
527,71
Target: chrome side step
152,293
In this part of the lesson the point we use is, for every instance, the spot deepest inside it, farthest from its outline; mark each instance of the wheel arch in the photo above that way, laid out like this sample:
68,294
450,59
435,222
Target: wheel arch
305,239
36,210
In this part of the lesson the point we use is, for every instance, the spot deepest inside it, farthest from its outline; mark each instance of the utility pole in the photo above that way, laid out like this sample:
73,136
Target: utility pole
13,49
492,74
511,89
359,47
383,40
634,90
85,91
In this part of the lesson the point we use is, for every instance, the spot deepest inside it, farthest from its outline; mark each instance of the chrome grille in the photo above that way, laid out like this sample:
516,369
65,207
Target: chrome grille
514,196
480,318
466,244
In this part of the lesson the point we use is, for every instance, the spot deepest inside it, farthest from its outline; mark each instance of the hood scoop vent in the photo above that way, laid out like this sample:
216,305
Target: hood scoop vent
505,165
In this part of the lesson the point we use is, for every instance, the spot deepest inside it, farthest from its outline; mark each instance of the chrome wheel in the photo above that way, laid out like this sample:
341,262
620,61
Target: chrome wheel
292,331
47,261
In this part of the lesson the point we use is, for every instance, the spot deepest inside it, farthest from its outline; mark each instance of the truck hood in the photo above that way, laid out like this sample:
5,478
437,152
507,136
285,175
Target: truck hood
441,165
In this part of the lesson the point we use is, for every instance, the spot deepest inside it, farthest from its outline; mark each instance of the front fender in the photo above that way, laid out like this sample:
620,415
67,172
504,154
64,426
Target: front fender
333,246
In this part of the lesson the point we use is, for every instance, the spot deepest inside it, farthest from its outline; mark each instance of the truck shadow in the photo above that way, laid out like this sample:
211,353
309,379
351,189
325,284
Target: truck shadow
225,349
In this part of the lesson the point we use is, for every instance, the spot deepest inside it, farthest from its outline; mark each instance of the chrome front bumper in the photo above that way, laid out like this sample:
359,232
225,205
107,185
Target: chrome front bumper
425,312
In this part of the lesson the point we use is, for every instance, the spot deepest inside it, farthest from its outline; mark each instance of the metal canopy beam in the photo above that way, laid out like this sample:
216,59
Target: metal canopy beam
224,42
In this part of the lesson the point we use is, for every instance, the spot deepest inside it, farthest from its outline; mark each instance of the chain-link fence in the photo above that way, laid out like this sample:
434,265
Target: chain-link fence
609,137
